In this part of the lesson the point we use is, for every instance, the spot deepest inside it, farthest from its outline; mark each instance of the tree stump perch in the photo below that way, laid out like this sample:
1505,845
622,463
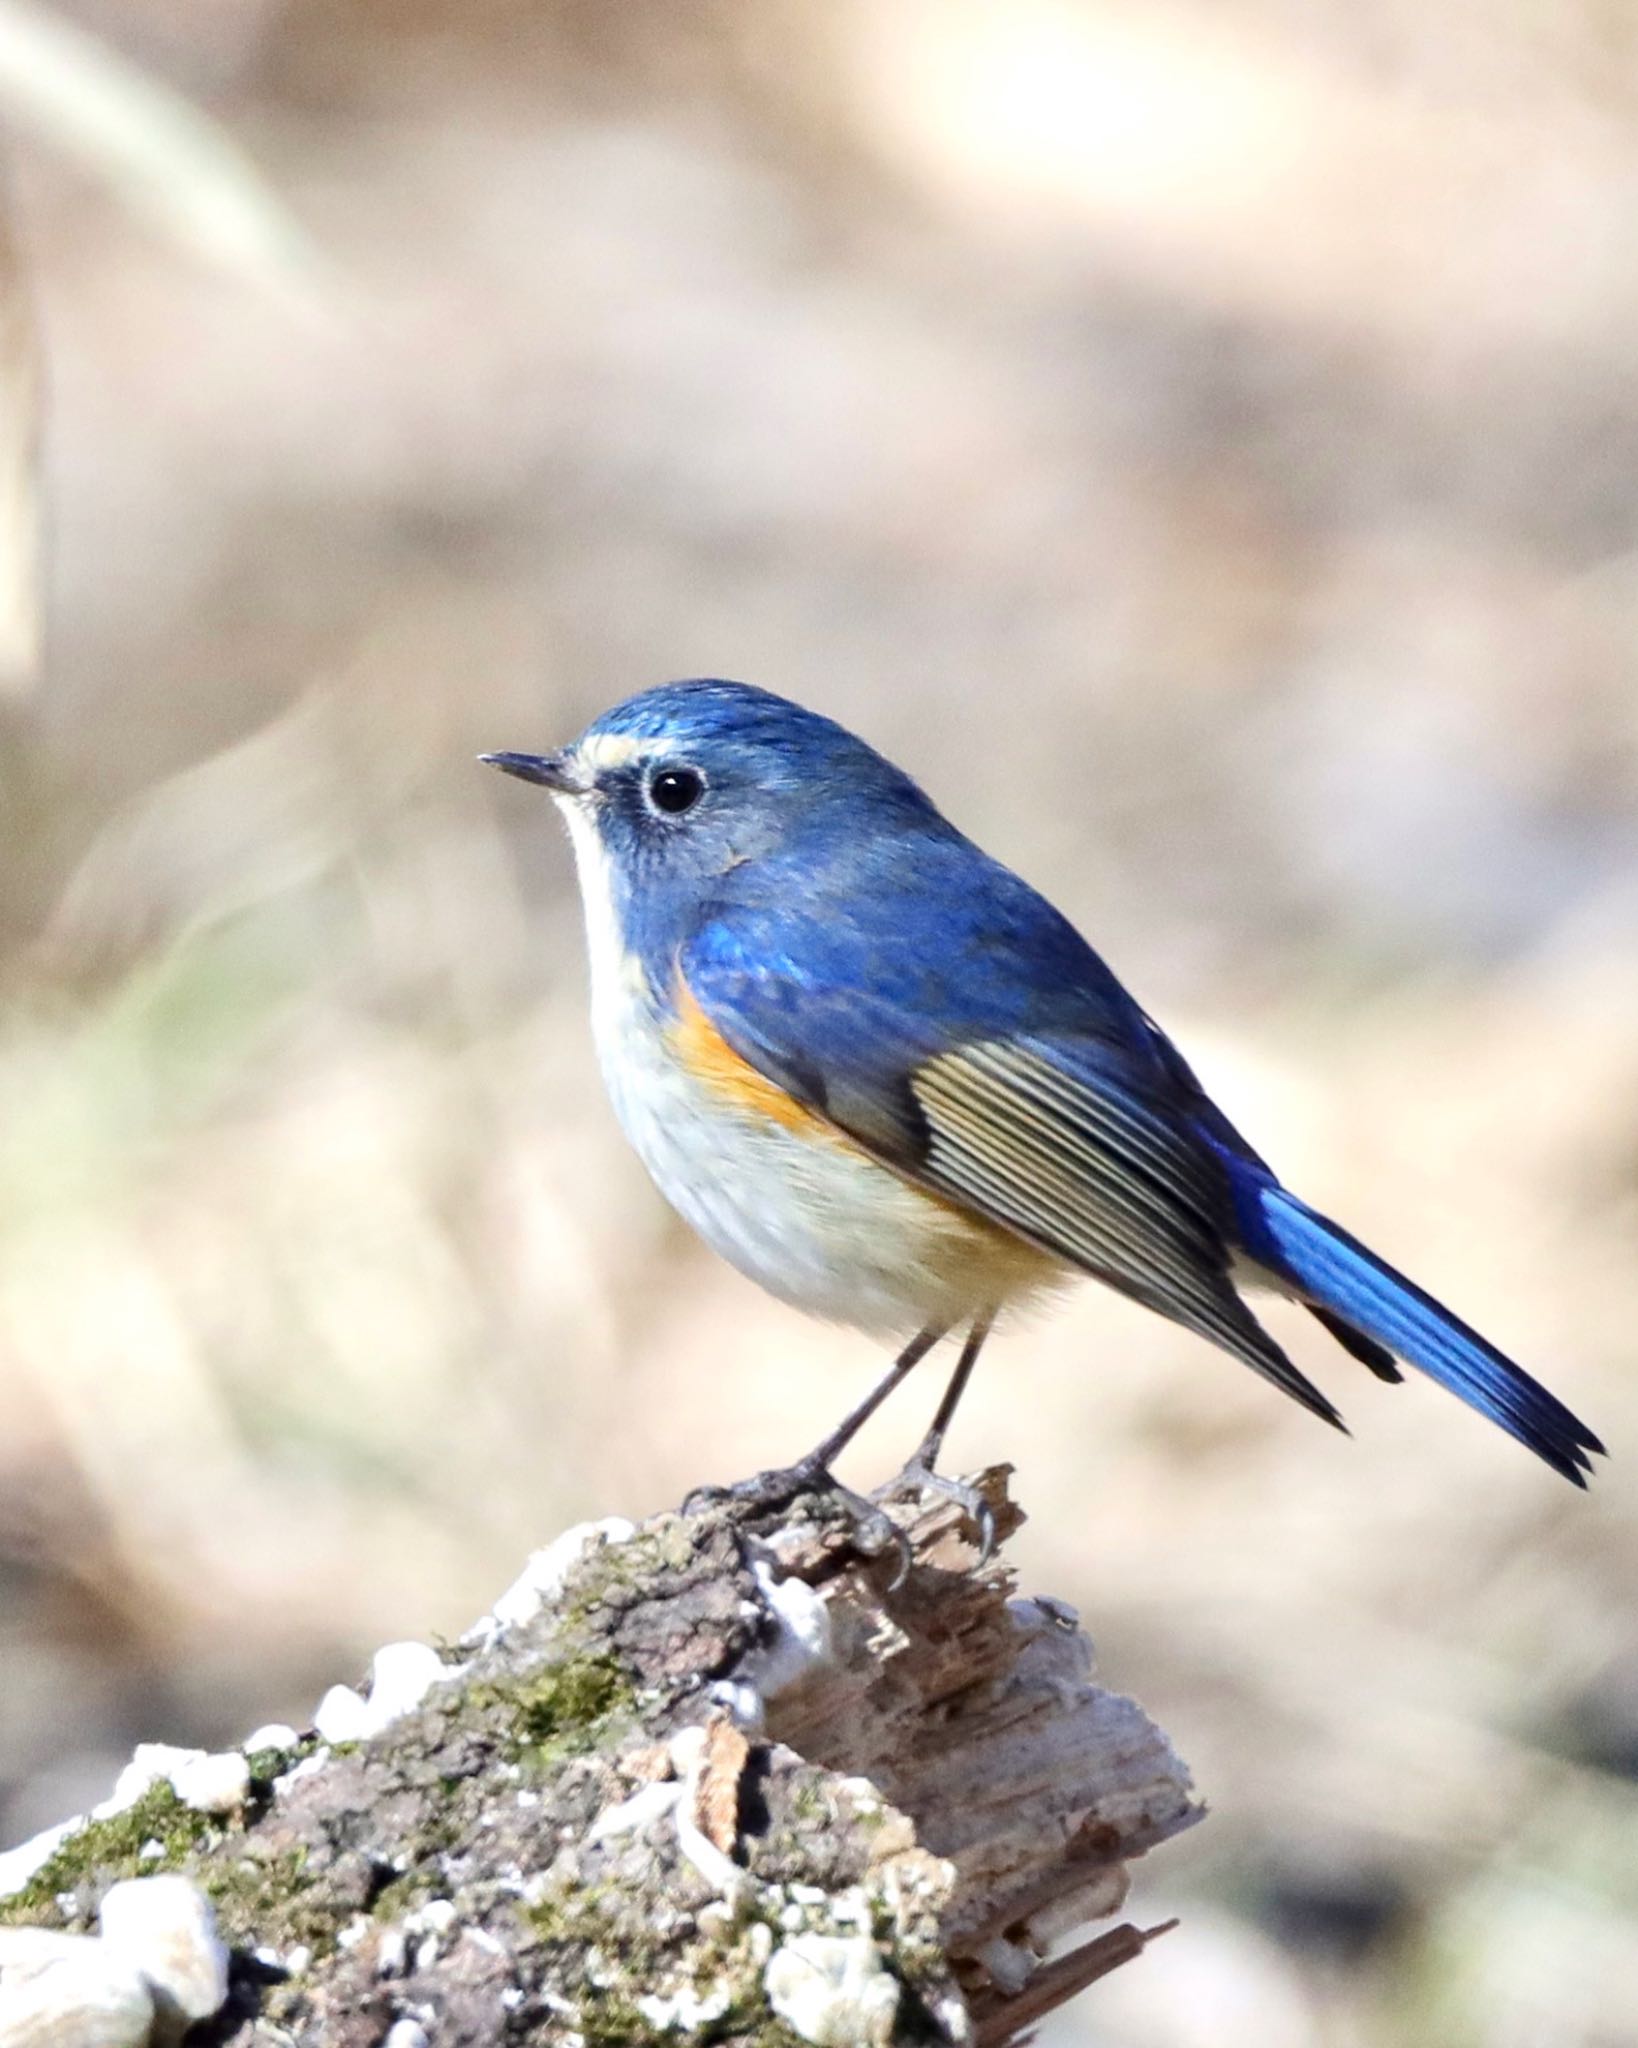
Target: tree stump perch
715,1778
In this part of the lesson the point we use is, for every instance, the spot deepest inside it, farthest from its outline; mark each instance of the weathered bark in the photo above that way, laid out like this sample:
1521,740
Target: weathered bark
725,1781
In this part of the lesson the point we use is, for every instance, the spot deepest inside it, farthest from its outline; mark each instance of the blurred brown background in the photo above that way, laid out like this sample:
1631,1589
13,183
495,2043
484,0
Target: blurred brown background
1198,440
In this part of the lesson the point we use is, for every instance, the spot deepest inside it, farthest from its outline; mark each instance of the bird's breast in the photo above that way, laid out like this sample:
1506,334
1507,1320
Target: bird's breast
787,1198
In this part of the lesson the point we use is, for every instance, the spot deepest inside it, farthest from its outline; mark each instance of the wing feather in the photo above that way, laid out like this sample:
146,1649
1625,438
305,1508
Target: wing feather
1099,1180
1166,1167
968,1136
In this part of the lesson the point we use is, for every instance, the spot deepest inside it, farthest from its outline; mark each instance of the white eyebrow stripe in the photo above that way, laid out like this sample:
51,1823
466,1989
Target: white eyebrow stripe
607,750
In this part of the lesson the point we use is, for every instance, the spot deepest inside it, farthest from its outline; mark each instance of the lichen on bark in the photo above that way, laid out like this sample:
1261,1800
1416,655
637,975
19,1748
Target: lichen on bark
727,1783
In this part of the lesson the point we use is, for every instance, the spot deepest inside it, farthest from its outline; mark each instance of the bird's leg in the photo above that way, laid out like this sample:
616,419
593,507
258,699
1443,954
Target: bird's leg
820,1457
933,1442
812,1474
920,1473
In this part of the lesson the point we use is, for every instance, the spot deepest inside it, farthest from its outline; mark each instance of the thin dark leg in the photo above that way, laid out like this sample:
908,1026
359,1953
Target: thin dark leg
872,1529
919,1472
900,1370
933,1442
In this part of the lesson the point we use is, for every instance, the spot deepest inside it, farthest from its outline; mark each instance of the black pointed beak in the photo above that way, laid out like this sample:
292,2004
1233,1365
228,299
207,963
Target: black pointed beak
551,771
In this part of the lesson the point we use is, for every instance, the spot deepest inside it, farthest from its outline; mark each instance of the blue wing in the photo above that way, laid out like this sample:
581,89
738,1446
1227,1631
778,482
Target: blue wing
1002,1066
953,1022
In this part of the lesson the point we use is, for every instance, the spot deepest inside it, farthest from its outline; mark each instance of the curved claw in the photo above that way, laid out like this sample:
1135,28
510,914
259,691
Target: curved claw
984,1523
874,1534
872,1530
968,1498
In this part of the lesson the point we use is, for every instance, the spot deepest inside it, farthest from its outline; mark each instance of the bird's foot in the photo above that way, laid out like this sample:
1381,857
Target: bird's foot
919,1477
870,1529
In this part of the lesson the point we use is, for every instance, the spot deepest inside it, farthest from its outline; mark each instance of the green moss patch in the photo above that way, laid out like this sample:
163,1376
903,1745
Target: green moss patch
103,1851
559,1711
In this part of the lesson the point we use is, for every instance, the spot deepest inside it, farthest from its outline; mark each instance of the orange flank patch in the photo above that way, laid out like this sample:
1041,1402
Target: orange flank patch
1003,1264
707,1055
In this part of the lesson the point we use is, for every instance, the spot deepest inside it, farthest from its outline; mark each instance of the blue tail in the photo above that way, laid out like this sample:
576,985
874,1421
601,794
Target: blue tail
1335,1273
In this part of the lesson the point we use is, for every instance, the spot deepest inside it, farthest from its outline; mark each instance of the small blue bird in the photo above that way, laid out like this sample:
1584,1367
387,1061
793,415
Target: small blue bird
884,1078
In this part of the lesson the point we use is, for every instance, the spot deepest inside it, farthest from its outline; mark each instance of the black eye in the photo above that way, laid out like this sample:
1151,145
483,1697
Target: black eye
675,790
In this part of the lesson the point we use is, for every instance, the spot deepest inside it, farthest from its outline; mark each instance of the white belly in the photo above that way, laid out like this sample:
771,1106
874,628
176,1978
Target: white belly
813,1220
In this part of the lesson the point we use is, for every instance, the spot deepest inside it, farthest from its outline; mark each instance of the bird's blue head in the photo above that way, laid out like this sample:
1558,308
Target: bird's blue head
675,791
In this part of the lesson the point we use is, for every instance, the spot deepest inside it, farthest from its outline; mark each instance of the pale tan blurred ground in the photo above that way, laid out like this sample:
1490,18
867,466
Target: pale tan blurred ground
1198,440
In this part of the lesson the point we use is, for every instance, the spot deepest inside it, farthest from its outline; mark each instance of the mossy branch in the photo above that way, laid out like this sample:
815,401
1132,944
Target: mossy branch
716,1778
